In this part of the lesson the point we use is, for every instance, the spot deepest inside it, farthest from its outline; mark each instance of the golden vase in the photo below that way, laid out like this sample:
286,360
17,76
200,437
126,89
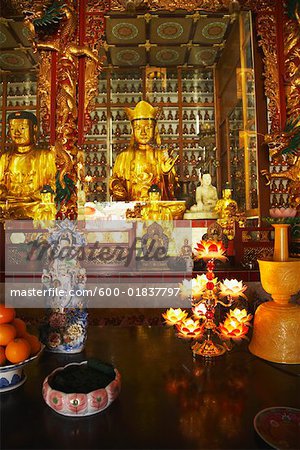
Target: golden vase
276,329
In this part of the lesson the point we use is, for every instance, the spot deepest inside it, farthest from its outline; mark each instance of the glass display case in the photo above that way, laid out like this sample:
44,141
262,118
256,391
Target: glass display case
186,122
239,128
200,71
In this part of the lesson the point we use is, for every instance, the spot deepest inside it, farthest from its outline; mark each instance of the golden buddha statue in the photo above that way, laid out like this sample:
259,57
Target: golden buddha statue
227,210
226,207
154,208
25,171
143,163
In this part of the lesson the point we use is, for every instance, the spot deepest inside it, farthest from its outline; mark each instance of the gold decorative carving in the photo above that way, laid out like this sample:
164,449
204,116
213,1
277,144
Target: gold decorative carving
266,27
95,6
44,90
94,38
171,5
292,55
63,44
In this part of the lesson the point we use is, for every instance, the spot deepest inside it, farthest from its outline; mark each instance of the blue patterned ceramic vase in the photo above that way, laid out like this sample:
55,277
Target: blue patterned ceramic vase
65,331
65,327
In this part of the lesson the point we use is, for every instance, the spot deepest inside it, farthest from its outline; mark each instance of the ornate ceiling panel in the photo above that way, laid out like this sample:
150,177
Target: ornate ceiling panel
21,32
170,30
128,56
6,38
169,39
210,31
125,31
14,60
167,56
204,56
16,53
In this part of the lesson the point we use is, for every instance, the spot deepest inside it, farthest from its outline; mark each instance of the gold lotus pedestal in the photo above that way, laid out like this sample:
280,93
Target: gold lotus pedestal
276,330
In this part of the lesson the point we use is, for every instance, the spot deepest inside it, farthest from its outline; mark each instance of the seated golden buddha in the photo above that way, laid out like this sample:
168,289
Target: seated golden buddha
227,210
155,209
25,171
144,162
226,207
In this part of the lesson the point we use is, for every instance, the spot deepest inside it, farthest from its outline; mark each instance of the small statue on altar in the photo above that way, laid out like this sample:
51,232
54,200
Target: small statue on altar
206,195
154,210
27,174
206,199
226,207
144,162
215,233
227,210
186,250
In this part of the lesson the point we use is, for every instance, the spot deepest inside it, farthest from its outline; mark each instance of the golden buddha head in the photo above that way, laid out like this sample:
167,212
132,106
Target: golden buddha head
144,123
47,194
226,191
22,128
154,193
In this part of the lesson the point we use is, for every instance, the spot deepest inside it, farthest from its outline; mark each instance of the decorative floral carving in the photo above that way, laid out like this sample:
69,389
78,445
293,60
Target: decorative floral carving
292,67
61,40
44,91
171,5
266,27
94,39
97,5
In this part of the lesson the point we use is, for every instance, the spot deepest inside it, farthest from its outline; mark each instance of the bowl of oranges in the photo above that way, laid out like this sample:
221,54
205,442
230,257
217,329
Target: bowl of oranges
17,349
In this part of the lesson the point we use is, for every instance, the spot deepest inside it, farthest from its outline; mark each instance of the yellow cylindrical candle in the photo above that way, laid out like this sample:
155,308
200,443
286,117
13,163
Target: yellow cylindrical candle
281,242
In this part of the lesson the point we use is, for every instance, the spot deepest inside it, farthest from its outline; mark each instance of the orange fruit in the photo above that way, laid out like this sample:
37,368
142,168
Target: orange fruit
17,350
2,356
7,333
35,344
20,326
6,314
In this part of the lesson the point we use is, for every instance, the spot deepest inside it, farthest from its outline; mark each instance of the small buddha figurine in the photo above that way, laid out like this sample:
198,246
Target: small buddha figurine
47,203
227,210
206,195
226,207
25,170
186,250
144,162
154,210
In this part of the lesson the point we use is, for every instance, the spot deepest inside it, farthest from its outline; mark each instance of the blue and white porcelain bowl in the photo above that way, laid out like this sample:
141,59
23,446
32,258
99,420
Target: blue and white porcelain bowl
13,376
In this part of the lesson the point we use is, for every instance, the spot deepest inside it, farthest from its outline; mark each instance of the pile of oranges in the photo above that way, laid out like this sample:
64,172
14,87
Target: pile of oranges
16,344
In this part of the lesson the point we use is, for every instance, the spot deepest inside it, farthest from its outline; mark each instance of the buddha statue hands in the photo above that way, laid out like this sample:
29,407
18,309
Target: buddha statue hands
169,163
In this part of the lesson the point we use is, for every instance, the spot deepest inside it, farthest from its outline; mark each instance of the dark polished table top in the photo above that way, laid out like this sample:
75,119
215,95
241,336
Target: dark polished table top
168,400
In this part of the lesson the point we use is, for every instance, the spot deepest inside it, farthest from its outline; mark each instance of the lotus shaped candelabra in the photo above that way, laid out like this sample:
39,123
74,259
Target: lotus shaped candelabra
210,337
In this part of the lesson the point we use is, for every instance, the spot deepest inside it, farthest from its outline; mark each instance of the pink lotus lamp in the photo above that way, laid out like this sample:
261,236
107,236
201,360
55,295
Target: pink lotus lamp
206,293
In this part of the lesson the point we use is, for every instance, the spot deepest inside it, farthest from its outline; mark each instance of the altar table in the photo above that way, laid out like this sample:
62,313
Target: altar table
167,401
